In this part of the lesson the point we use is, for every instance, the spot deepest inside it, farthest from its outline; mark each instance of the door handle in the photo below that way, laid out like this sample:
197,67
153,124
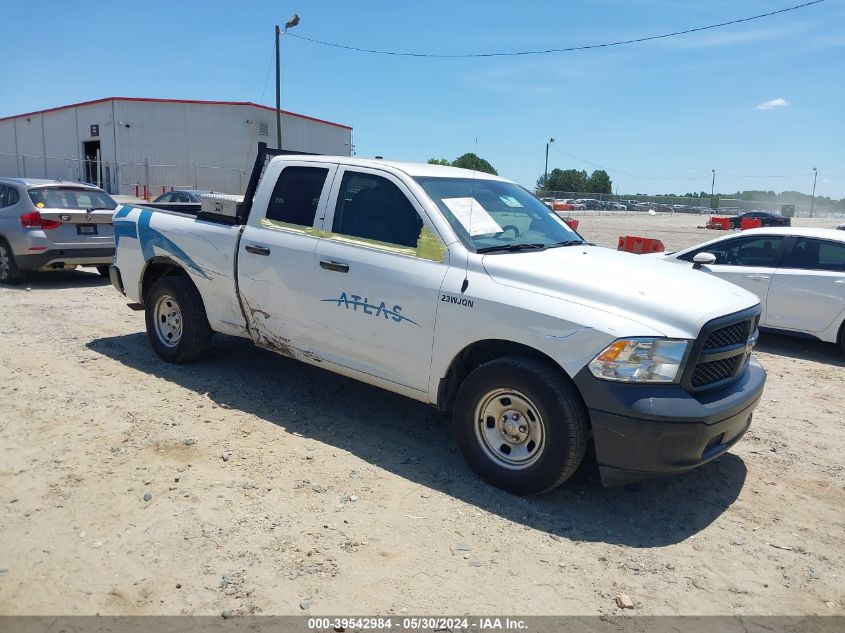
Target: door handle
337,267
257,250
758,277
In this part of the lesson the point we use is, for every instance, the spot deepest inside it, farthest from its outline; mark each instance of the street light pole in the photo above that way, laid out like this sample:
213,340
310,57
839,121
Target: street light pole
546,171
712,187
278,96
813,199
293,21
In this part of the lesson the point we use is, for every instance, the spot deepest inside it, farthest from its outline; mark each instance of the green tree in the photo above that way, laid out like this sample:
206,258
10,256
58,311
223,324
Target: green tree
567,180
599,182
439,161
471,161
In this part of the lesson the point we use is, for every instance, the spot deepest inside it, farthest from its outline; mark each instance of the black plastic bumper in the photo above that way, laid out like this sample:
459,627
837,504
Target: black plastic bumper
116,279
77,256
644,431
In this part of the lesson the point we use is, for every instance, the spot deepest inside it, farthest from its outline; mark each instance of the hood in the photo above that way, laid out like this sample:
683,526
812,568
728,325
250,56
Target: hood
673,300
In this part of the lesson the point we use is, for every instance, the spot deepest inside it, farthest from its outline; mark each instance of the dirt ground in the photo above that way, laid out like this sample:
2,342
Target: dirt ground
251,483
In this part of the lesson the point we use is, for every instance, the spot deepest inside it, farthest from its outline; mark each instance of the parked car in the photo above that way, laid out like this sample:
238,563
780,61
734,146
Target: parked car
576,206
53,224
798,274
617,206
562,205
182,195
589,203
768,219
451,287
841,227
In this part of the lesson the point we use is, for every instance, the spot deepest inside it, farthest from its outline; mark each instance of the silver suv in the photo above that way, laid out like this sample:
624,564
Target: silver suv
53,224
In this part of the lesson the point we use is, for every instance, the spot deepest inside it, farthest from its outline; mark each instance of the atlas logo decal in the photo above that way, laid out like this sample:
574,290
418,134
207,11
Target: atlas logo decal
353,302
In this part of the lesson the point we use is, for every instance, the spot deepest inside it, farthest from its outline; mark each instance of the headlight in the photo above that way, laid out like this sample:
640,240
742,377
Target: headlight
640,360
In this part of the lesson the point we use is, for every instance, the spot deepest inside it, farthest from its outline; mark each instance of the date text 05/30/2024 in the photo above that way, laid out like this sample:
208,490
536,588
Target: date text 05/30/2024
416,623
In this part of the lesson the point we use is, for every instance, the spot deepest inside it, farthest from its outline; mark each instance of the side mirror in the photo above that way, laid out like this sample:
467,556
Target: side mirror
703,259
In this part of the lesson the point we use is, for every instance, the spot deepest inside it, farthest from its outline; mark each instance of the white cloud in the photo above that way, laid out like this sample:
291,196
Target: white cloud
774,103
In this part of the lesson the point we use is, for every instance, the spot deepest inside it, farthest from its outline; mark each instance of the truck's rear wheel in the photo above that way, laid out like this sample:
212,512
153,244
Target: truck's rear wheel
177,325
520,425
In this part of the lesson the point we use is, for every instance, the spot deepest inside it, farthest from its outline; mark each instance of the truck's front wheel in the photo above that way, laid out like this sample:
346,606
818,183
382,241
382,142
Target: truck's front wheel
177,325
520,425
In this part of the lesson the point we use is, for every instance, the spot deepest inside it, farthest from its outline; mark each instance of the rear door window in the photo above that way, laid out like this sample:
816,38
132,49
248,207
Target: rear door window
296,195
811,254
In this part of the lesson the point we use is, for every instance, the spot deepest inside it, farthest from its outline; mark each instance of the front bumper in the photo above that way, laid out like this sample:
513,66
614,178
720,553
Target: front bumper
643,430
67,256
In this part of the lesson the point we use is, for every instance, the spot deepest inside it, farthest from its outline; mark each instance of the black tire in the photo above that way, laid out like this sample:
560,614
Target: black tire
842,337
103,270
9,273
194,337
559,408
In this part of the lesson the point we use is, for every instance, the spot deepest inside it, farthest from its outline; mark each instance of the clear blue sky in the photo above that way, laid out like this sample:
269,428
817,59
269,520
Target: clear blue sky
668,109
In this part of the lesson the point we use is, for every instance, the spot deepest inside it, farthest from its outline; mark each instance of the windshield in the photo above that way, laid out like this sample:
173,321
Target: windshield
70,198
490,215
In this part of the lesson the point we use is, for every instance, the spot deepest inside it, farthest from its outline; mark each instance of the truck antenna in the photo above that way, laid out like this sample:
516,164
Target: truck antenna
471,208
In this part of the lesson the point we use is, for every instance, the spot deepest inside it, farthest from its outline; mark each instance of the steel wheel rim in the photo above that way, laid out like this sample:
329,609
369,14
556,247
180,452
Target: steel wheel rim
509,429
4,262
168,321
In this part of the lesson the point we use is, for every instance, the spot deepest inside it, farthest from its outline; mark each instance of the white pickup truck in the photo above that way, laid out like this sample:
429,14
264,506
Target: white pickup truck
461,290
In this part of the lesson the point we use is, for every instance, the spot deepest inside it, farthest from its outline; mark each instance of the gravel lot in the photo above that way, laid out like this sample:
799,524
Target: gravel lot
254,484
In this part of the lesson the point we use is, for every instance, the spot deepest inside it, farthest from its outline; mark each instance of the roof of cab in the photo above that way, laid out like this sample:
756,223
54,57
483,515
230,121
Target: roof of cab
409,168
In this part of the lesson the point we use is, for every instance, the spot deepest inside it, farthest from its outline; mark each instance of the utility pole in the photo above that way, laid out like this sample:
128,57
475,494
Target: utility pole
292,22
546,172
712,187
278,96
813,199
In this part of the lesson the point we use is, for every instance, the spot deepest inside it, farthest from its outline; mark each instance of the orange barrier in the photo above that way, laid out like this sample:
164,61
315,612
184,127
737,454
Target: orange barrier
750,223
639,245
572,222
722,224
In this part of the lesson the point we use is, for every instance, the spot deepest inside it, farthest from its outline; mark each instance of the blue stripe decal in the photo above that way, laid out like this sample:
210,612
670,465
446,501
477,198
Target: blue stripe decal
150,238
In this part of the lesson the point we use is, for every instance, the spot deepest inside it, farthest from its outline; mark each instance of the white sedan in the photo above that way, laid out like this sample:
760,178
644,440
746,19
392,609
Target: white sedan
798,273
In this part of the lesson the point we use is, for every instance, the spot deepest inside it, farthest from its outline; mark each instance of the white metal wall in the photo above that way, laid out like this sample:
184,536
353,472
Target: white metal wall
162,144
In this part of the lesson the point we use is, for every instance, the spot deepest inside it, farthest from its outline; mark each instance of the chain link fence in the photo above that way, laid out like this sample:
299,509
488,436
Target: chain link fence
148,179
144,179
610,204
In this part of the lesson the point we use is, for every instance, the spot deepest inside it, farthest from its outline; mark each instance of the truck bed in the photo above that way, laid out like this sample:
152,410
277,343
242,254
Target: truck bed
145,236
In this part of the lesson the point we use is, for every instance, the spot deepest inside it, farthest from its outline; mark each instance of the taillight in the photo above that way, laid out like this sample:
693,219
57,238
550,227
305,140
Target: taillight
35,221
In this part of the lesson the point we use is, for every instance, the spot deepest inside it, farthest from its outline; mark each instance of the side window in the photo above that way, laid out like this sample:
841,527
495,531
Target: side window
3,196
168,197
812,254
297,194
743,251
12,196
374,208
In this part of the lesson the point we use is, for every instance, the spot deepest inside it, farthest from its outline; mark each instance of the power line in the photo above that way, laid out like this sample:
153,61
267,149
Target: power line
625,173
554,50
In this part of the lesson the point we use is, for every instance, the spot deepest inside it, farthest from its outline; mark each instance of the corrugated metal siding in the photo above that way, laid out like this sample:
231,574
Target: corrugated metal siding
208,146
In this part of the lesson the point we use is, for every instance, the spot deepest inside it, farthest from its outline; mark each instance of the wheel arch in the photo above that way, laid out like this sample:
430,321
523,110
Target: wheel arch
483,351
157,268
